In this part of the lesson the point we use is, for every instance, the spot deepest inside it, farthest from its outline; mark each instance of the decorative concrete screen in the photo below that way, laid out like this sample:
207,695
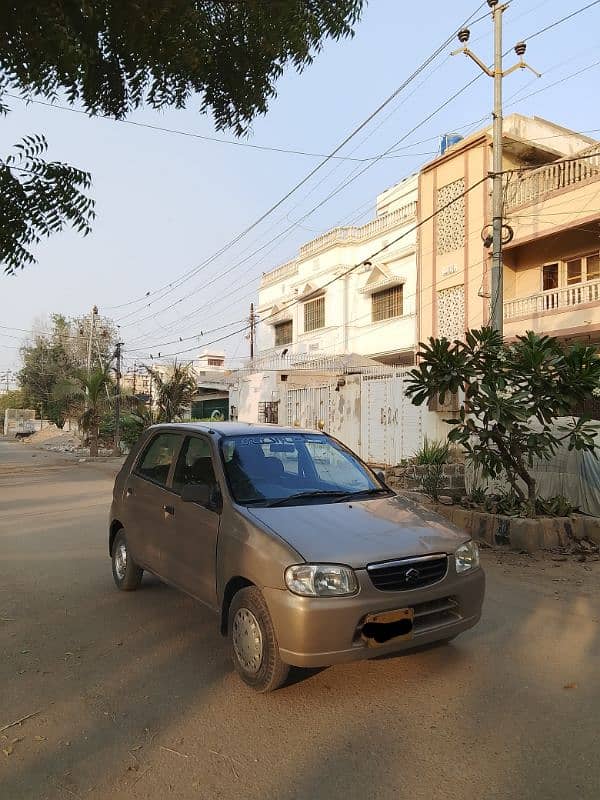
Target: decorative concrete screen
451,313
451,220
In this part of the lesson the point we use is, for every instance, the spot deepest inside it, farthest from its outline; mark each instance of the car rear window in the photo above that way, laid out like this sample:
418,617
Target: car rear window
158,456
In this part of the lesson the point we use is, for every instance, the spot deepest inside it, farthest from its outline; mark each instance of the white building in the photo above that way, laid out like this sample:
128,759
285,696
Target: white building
322,303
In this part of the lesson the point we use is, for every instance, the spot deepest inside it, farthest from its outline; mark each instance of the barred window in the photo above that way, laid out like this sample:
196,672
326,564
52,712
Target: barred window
387,304
314,314
283,333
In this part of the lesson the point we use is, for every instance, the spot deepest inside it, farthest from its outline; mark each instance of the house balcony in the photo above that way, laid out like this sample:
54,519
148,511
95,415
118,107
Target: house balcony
538,185
571,310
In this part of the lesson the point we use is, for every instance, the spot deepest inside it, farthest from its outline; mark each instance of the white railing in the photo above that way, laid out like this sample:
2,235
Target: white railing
360,233
535,185
340,235
284,271
553,299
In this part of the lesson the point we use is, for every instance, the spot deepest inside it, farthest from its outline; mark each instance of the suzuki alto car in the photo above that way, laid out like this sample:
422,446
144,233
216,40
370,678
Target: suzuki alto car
303,552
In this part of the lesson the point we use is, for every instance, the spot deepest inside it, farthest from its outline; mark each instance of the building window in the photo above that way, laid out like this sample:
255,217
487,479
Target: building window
283,333
314,314
386,304
215,362
550,277
451,219
572,272
269,412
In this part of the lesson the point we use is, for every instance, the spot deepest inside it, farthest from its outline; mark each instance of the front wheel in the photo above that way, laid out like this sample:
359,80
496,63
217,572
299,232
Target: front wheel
254,647
126,573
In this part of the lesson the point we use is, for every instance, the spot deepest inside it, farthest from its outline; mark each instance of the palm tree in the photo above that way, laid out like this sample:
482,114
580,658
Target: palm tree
173,391
87,396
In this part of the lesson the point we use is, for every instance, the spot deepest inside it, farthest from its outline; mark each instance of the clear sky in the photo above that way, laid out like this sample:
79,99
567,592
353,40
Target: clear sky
166,202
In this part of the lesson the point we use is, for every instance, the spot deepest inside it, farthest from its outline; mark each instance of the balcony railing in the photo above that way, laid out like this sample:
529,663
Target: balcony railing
552,299
340,235
362,232
284,271
531,187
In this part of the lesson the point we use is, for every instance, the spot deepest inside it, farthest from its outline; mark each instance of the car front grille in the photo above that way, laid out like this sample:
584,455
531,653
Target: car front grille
408,573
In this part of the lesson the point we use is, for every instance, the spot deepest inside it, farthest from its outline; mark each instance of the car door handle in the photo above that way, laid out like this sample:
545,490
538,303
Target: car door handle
169,509
128,492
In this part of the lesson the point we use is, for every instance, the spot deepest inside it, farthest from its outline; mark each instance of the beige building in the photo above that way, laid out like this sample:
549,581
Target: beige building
551,274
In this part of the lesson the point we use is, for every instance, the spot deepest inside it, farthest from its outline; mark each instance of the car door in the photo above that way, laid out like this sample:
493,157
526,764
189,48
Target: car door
148,502
191,551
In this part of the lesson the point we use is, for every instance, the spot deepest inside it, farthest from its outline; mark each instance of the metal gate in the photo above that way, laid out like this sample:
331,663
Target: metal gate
309,407
391,426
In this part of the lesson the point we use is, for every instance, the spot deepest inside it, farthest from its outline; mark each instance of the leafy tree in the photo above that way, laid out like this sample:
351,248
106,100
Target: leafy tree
55,357
114,57
87,396
173,391
512,396
38,198
11,399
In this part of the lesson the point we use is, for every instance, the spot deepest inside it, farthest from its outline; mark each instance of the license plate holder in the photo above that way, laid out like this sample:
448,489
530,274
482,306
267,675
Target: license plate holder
384,627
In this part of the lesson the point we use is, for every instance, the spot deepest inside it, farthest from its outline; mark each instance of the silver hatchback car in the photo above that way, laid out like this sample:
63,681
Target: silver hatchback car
308,558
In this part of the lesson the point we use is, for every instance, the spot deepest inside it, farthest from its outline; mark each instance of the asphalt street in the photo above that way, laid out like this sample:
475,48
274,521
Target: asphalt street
133,694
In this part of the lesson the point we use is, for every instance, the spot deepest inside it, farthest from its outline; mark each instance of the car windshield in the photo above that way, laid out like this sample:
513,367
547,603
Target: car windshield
294,468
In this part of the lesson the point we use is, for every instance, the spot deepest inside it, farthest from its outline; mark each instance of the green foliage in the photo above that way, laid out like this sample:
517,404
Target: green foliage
87,397
512,397
114,57
57,358
432,452
432,480
509,504
37,199
173,392
12,399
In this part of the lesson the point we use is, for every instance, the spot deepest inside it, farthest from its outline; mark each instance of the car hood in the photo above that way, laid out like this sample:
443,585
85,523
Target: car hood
361,532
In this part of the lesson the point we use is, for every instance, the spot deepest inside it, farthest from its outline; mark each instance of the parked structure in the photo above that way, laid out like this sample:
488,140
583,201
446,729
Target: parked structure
310,306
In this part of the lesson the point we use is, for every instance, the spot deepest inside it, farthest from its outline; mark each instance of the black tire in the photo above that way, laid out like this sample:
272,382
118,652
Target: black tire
128,578
271,673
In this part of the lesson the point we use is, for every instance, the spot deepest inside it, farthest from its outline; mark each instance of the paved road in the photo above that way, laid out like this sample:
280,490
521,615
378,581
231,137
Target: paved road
137,698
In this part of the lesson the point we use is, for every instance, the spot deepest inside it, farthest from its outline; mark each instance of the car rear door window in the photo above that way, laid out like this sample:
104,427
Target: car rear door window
158,457
194,465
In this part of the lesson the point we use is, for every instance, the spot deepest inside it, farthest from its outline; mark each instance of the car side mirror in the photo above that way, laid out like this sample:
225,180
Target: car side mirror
379,473
196,493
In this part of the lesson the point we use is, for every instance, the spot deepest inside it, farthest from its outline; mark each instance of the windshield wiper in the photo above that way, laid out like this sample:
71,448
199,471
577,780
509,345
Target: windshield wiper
362,493
301,495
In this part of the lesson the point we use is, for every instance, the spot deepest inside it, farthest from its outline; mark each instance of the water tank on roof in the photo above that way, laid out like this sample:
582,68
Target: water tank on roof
448,139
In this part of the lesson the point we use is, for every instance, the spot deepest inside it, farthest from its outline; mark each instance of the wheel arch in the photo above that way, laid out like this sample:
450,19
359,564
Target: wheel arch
115,527
231,589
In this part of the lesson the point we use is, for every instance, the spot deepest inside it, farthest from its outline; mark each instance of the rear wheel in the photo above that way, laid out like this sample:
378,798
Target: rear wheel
254,646
126,573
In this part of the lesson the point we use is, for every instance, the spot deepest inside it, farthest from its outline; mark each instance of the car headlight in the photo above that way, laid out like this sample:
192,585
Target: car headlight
467,556
321,580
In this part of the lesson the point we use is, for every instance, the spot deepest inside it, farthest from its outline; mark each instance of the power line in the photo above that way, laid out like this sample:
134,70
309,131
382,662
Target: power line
188,134
170,286
354,266
560,21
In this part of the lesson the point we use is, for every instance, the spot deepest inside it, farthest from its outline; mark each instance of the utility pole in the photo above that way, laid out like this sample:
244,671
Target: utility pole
117,448
252,330
498,9
93,315
134,375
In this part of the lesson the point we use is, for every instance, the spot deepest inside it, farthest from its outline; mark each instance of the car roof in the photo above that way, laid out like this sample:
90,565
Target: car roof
230,428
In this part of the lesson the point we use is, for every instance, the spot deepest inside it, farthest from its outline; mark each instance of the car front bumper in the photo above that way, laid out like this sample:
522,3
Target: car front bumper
317,632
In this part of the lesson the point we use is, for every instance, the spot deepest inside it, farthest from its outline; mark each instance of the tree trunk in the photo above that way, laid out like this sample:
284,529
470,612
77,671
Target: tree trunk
94,442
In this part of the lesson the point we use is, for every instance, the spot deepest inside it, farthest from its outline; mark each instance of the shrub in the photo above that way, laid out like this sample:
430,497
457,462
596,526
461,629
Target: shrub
511,398
432,452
